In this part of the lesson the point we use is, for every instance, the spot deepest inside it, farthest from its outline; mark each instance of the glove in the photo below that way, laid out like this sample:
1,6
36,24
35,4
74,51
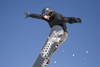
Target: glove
78,20
27,14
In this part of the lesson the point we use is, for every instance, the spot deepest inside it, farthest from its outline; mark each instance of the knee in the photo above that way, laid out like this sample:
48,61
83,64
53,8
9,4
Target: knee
64,37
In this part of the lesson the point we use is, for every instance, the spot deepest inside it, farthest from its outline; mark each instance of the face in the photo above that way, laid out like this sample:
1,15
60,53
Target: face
46,17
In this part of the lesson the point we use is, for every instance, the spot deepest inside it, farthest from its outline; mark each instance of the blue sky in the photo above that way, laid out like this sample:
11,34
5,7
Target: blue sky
22,39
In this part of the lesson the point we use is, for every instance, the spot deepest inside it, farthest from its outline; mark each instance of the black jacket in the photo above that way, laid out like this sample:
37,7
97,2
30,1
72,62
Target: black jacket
56,19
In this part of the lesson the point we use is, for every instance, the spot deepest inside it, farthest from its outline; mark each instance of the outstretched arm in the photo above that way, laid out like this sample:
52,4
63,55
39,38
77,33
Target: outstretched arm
71,20
38,16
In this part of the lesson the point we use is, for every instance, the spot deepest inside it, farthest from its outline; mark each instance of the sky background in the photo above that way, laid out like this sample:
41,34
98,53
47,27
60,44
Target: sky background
21,40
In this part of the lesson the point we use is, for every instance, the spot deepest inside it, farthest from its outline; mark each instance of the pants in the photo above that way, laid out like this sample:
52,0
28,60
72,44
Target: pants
64,37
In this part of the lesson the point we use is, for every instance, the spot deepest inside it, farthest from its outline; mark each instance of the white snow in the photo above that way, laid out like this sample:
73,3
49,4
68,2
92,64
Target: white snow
55,62
84,58
86,51
73,54
62,50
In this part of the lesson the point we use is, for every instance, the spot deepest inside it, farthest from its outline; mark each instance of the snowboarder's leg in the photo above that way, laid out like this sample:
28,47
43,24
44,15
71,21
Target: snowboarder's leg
64,37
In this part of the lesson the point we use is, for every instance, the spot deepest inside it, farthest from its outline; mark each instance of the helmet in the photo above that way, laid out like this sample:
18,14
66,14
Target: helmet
46,10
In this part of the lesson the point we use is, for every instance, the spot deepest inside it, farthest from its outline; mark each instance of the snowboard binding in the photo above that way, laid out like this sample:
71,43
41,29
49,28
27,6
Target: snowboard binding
48,62
57,45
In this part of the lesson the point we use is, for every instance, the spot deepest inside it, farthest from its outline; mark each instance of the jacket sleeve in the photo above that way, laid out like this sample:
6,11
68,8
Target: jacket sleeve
38,16
70,20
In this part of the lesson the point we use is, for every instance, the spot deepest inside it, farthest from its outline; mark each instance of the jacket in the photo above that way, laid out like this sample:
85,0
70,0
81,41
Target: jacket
56,19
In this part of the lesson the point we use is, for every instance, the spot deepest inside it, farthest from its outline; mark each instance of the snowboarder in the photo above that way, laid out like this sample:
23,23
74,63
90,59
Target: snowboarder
53,18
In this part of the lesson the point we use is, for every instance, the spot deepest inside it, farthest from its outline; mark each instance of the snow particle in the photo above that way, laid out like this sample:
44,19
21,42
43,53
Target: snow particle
84,58
86,51
73,54
62,50
55,62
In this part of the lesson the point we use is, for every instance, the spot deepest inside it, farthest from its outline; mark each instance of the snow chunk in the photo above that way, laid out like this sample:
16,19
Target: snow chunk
62,50
84,58
55,62
73,54
86,51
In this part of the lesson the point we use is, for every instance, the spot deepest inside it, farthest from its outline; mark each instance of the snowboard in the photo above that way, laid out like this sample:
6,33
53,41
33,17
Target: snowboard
50,44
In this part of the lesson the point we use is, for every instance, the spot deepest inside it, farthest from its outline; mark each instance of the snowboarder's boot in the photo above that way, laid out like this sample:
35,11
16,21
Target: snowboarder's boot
48,62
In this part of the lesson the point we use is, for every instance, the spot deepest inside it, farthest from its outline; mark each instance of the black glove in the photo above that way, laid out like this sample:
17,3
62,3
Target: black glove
27,14
78,20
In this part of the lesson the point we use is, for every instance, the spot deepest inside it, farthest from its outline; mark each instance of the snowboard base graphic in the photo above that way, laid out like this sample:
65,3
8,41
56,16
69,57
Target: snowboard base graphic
50,44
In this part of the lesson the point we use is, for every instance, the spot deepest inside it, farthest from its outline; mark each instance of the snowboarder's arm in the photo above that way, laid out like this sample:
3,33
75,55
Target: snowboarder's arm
71,20
38,16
